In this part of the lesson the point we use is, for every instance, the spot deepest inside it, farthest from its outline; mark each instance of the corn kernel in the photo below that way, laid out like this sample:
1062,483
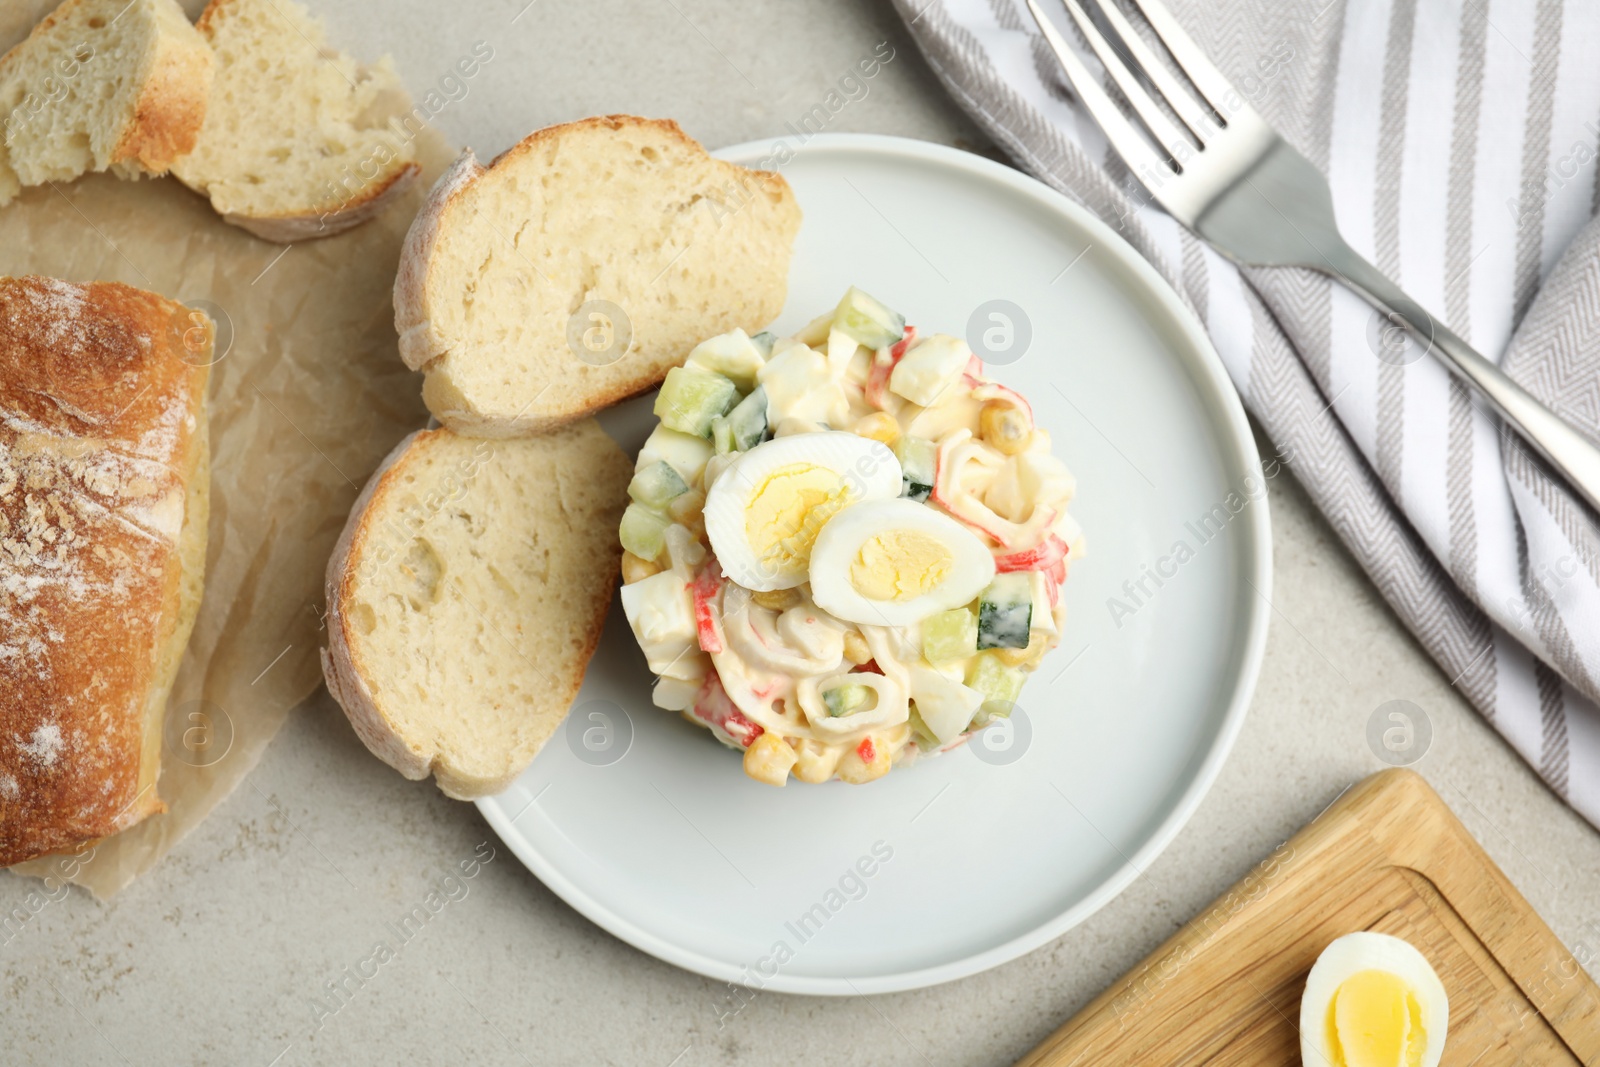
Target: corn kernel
856,767
1038,645
880,426
768,759
689,509
635,569
855,647
814,763
776,599
1003,425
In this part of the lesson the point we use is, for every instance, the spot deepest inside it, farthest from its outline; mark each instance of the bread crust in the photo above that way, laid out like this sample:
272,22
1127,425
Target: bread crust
171,106
290,229
102,454
461,418
421,344
346,672
330,220
339,668
213,10
171,109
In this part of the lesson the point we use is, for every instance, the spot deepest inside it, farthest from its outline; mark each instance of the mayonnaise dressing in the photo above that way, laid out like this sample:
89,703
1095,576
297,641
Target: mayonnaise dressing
844,695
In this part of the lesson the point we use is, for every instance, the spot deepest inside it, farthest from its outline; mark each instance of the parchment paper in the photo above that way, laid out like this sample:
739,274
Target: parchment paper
304,402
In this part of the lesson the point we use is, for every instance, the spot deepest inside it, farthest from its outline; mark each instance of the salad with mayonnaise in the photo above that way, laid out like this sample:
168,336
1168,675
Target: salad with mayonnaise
844,548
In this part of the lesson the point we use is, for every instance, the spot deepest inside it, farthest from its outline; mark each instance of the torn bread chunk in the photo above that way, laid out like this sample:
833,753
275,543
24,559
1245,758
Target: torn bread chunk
119,85
298,141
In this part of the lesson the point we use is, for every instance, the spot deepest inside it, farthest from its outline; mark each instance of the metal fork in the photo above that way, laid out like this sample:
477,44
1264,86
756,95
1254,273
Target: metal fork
1228,176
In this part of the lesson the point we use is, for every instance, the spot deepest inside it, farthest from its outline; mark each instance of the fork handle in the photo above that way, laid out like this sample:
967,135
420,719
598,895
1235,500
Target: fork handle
1568,451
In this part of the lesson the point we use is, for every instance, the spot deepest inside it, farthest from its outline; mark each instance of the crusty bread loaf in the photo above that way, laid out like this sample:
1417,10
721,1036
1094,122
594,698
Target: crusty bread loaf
101,85
297,142
501,262
103,506
466,596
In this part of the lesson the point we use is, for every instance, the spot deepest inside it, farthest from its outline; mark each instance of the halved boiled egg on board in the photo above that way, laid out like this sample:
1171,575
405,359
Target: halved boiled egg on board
1372,1000
896,562
764,512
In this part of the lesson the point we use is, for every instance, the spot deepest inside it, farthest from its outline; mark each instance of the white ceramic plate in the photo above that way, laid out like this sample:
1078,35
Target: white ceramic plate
650,828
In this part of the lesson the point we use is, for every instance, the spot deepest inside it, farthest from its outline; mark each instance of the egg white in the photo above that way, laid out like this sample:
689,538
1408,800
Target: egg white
972,566
1368,951
867,469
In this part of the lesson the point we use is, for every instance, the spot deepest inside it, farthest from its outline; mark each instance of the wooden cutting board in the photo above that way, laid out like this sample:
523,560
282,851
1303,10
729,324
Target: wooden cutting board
1387,856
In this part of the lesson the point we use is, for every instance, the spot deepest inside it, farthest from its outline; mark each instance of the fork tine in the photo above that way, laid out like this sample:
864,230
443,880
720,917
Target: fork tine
1213,85
1179,97
1155,120
1129,143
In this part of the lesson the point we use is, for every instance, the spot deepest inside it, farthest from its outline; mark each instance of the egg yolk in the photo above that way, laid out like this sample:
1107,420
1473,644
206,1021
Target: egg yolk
1374,1021
785,512
899,565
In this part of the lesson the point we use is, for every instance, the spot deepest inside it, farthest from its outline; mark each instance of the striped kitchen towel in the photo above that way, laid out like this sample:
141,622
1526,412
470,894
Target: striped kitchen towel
1460,138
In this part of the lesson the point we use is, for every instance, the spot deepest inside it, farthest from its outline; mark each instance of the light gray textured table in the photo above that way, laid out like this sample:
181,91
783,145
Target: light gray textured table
220,954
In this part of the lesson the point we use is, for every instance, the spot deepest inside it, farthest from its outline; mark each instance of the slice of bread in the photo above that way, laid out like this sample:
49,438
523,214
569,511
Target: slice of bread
297,141
466,596
101,85
512,275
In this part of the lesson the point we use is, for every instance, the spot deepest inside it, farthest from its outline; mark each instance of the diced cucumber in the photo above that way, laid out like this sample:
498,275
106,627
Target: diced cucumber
643,532
732,355
999,684
920,733
764,342
949,635
1005,610
868,320
748,421
844,699
918,456
683,453
988,712
722,435
691,398
657,486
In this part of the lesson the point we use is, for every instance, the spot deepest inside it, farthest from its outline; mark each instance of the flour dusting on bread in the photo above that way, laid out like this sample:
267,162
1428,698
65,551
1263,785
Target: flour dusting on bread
102,519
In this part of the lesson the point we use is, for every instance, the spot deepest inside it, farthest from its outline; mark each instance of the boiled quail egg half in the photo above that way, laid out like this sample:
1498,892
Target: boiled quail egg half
1372,1000
896,562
